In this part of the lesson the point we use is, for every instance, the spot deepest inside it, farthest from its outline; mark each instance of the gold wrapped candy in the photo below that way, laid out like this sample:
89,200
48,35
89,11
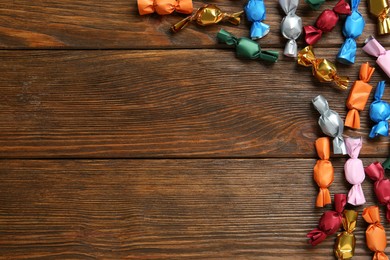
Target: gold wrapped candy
207,15
381,9
344,247
322,69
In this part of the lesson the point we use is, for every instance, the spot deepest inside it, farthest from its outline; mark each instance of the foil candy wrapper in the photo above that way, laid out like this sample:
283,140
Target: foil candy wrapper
374,48
353,28
380,9
322,69
207,15
246,48
331,124
345,242
323,171
358,96
164,7
291,26
379,112
256,13
354,171
315,4
376,172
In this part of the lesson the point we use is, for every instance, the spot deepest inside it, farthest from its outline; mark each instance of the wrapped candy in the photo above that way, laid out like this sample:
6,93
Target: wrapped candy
247,48
163,7
386,164
358,96
376,172
322,69
381,9
323,171
329,222
255,13
374,48
379,112
354,171
344,247
353,28
330,123
291,26
375,234
325,22
315,4
207,15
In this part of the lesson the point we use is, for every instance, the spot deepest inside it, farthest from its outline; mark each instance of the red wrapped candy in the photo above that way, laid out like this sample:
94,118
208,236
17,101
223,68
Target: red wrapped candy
326,22
376,173
329,222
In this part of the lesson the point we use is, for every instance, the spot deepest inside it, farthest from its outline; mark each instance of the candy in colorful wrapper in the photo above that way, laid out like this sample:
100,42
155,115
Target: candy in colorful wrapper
386,164
380,112
376,172
315,4
207,15
255,13
331,124
354,171
374,48
381,9
323,171
344,247
163,7
291,26
325,22
375,234
247,48
358,96
322,69
329,222
353,28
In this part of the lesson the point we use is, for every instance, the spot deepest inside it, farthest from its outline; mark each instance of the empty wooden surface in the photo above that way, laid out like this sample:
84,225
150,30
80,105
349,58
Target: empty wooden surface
121,140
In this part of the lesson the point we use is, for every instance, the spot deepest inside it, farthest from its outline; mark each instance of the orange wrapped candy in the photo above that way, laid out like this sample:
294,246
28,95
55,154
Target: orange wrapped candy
163,7
375,233
358,96
323,171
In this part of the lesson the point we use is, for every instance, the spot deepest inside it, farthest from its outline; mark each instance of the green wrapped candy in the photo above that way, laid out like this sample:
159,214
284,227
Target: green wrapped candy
247,48
315,4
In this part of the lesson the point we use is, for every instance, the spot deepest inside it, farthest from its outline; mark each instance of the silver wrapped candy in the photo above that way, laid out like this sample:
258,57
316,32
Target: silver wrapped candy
291,26
331,124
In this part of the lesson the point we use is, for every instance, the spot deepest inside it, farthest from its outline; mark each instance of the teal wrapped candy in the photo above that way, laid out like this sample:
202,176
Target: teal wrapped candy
247,48
315,4
353,28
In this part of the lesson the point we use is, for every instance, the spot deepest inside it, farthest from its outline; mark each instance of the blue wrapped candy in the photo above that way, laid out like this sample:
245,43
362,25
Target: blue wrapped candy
380,112
255,13
353,28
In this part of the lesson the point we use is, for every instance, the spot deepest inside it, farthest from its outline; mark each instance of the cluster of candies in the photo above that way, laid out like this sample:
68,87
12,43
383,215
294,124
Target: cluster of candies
330,122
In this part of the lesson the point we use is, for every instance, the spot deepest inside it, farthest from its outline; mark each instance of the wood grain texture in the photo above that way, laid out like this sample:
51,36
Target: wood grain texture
131,104
165,209
91,24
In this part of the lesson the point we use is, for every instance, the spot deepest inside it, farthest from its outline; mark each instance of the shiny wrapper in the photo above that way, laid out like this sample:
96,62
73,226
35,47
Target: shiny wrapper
353,28
345,242
207,15
323,171
379,112
322,69
164,7
291,26
315,4
331,124
354,171
325,22
329,222
375,233
381,9
246,48
255,13
374,48
376,172
358,96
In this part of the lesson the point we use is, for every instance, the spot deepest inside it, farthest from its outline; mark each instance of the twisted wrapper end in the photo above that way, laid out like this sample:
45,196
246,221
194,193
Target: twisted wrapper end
227,38
315,4
234,18
312,34
352,119
306,56
341,82
356,195
291,49
323,198
259,30
339,145
384,22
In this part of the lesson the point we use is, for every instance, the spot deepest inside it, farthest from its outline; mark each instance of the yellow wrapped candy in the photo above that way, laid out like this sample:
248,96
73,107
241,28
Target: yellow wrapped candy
345,242
381,9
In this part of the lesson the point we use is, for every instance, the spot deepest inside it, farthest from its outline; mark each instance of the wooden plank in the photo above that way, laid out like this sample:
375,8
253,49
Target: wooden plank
93,24
165,209
178,103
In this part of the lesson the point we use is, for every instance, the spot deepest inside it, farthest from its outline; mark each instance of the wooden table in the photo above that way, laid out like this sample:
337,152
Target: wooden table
120,140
